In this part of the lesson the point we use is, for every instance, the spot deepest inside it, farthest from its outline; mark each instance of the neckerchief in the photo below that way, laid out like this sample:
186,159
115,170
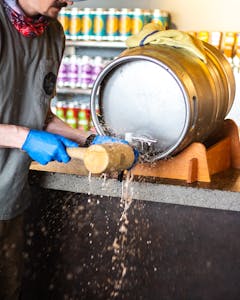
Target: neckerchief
27,26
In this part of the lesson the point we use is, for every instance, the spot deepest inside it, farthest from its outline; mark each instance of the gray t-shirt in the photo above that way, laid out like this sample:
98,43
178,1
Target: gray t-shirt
28,68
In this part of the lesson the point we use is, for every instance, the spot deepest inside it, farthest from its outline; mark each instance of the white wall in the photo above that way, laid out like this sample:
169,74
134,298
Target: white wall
221,15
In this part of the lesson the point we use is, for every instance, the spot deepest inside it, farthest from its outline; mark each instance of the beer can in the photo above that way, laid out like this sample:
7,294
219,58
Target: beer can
99,24
161,17
112,27
237,45
228,44
73,71
87,24
63,73
84,117
75,26
64,19
147,16
86,72
61,110
215,39
236,55
125,23
72,114
97,67
138,20
203,36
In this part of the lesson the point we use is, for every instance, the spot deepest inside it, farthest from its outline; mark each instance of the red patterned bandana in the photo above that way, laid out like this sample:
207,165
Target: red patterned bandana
27,26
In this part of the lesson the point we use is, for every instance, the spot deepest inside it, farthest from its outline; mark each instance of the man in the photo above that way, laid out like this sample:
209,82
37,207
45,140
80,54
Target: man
31,49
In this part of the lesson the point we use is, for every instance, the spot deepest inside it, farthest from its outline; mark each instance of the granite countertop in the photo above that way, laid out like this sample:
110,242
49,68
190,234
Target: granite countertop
221,193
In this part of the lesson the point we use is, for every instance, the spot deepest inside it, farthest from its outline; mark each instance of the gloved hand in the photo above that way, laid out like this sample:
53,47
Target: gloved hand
103,139
44,147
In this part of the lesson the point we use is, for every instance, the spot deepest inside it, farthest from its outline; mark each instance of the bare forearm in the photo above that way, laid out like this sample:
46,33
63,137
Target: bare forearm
12,136
57,126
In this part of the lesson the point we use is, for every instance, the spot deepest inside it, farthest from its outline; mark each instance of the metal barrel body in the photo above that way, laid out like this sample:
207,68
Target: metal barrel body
163,94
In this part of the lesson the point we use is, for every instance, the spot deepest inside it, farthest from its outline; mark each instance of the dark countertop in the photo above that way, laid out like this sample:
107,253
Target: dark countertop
180,241
150,239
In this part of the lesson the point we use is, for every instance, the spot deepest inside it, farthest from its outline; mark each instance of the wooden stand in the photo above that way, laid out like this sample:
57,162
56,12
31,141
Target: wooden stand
196,162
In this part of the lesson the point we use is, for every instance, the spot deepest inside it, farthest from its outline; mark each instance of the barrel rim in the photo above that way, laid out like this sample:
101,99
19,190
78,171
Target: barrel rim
124,59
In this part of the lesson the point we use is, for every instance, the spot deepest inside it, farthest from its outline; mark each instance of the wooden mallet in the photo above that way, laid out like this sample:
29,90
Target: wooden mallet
104,158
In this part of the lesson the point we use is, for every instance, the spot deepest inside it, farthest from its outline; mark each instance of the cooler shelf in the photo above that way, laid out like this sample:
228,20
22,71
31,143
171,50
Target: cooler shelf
74,91
98,44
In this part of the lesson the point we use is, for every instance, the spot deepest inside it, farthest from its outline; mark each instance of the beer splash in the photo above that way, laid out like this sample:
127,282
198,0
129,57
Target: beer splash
119,245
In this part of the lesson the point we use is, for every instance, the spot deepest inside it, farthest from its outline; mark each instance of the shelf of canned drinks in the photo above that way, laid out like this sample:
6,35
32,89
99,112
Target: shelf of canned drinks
108,24
227,42
70,90
96,44
74,112
77,74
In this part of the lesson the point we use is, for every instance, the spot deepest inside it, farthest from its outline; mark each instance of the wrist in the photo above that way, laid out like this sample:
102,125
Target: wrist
89,140
12,136
20,134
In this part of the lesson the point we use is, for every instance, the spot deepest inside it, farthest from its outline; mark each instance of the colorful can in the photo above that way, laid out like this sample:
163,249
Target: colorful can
86,72
97,67
73,71
61,110
125,23
236,56
161,17
64,19
87,24
63,79
72,114
138,20
203,36
84,117
237,45
100,24
147,16
112,27
75,27
229,44
215,39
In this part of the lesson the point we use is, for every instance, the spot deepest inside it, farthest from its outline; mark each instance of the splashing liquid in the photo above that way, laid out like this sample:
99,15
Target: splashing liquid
120,245
120,242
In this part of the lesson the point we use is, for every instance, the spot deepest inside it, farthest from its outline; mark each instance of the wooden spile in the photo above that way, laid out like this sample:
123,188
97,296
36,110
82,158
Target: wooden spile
104,158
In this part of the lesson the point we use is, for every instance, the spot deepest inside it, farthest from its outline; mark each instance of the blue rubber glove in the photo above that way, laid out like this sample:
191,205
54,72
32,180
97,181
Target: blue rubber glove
104,139
44,147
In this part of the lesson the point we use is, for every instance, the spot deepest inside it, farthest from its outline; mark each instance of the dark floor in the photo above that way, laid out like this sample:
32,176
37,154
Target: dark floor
168,252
